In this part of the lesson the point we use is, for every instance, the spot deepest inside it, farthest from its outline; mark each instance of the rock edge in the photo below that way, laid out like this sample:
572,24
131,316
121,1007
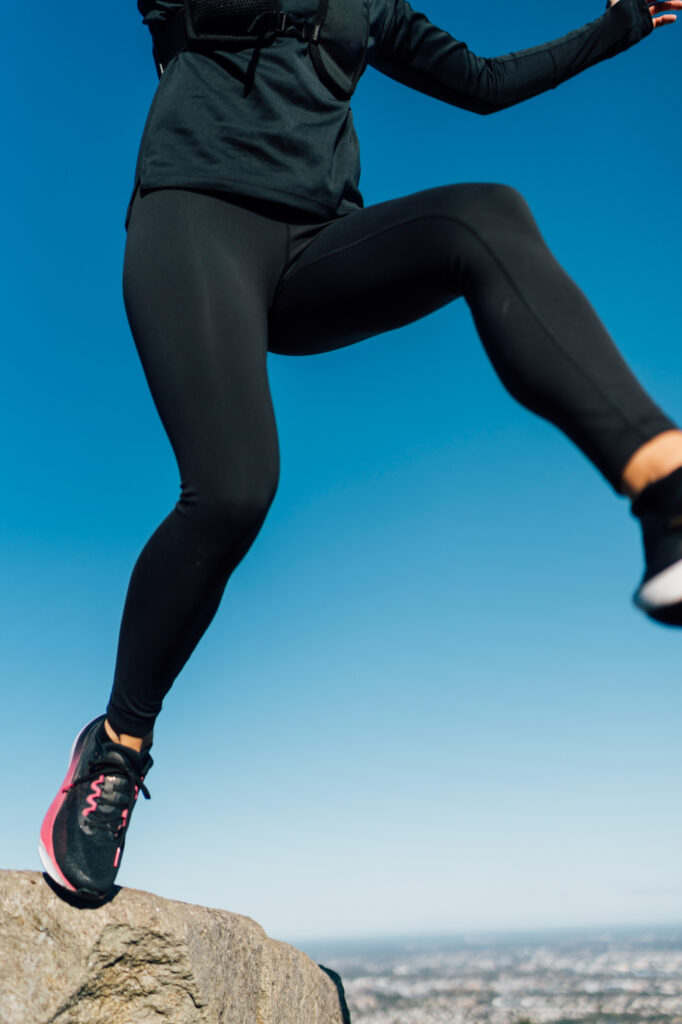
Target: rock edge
143,959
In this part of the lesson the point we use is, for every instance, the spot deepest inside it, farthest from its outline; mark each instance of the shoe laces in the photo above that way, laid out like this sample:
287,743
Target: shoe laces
107,767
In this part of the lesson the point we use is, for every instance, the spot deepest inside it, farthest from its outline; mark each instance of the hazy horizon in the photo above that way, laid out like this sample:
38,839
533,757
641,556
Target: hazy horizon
350,945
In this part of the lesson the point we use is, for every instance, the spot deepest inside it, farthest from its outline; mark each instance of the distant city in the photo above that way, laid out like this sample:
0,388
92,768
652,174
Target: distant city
601,978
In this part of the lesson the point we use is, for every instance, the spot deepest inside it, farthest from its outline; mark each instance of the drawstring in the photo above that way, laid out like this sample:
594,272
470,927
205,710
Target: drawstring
251,70
284,25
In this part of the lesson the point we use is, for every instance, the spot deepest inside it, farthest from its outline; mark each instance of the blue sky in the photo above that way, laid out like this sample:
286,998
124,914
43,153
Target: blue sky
426,704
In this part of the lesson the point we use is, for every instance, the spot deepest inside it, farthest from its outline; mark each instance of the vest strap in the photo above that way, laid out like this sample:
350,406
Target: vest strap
180,32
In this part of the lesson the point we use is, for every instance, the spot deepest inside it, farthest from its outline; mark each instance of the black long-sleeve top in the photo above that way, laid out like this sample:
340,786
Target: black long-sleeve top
286,138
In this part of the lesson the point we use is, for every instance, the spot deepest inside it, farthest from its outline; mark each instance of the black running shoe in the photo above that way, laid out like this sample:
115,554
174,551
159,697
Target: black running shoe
83,834
659,510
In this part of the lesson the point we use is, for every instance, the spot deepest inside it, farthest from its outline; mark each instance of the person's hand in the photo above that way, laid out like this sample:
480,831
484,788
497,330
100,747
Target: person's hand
664,5
656,11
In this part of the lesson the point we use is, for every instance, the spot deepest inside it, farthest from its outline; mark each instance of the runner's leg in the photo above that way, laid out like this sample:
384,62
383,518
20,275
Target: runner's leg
198,278
390,264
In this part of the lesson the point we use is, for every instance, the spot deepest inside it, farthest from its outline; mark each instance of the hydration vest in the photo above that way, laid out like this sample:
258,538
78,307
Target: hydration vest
337,36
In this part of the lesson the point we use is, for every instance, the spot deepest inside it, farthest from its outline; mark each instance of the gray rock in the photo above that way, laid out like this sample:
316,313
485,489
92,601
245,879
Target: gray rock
140,959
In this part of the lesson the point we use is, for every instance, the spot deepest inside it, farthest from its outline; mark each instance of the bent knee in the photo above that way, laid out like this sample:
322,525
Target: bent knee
228,513
504,198
487,204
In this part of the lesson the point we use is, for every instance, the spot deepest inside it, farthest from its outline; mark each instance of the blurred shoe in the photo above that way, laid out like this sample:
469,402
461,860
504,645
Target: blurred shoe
659,510
84,831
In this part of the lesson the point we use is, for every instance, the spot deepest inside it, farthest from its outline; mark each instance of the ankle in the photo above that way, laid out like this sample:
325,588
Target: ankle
655,460
137,743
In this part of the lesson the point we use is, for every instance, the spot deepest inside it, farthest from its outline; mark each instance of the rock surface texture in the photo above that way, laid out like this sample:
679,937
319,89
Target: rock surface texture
140,959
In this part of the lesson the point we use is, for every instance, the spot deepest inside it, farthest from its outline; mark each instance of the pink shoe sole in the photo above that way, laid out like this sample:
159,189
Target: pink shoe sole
45,846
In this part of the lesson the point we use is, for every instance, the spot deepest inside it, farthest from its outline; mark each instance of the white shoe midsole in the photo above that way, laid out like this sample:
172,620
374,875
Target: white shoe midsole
665,588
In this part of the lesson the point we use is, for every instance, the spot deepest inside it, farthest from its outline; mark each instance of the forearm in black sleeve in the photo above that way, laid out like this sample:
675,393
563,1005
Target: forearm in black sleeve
420,55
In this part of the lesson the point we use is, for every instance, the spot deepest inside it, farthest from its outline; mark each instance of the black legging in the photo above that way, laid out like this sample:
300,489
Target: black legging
211,284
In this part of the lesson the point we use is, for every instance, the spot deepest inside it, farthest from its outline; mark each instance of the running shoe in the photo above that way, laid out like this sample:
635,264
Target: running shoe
83,834
659,594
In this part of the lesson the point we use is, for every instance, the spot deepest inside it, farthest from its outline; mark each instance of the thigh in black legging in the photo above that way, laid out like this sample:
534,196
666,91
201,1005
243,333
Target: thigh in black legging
389,264
199,276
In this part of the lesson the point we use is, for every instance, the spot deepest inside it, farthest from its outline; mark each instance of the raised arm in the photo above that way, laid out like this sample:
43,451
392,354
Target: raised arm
408,48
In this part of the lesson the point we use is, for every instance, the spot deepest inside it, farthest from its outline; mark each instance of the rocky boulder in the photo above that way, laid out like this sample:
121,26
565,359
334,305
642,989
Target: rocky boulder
139,959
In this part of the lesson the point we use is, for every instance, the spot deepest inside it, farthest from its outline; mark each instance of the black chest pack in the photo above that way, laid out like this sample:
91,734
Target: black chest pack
337,34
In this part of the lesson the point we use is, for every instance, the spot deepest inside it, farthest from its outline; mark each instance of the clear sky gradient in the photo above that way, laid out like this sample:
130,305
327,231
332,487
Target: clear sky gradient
426,704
